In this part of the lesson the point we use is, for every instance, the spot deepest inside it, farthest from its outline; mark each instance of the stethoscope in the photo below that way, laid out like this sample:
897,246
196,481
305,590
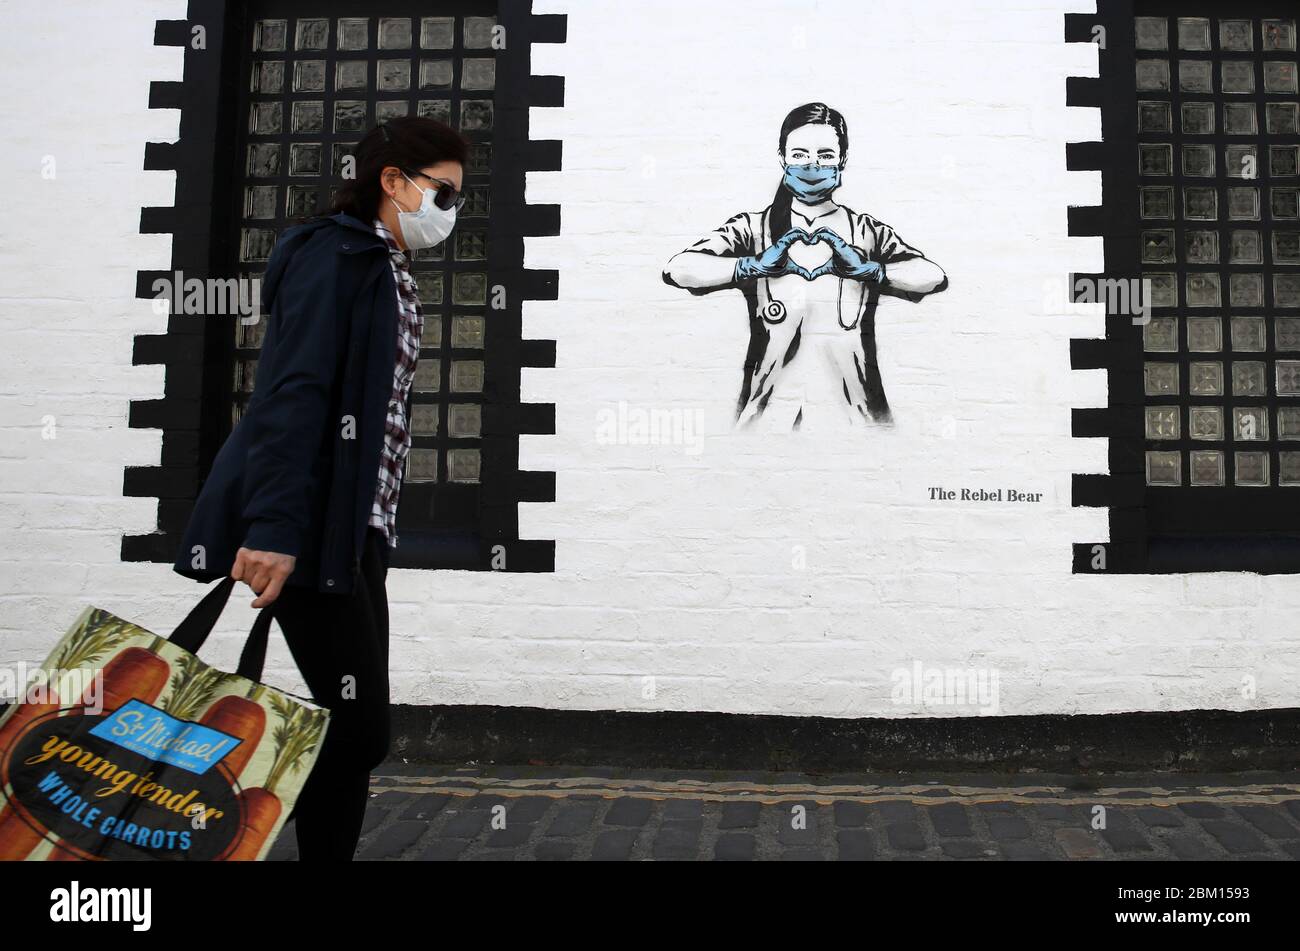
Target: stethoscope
775,311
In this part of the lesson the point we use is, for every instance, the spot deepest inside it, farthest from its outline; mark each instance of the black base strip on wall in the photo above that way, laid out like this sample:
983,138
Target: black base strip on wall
1192,741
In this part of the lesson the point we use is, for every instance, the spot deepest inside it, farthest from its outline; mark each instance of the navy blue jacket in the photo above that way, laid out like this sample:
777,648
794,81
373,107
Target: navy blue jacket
299,471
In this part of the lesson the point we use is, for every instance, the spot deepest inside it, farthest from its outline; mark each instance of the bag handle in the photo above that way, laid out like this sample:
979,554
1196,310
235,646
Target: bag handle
193,631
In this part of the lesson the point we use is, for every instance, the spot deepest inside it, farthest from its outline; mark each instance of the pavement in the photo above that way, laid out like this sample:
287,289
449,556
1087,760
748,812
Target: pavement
440,813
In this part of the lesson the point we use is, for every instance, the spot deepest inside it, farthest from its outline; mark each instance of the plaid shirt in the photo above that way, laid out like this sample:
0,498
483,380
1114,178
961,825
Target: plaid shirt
397,429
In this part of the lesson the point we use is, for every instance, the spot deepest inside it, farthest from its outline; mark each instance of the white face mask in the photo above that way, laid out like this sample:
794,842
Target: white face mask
428,225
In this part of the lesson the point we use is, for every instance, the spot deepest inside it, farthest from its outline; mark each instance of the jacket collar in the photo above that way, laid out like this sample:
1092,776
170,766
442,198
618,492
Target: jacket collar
356,224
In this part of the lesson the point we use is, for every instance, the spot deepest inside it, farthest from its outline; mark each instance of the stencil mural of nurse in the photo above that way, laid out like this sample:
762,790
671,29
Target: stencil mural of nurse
812,272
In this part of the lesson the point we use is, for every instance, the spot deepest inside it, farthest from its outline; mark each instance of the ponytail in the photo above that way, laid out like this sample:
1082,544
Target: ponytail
778,219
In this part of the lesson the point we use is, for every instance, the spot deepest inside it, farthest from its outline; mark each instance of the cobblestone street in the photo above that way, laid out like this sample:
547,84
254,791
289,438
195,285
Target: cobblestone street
447,813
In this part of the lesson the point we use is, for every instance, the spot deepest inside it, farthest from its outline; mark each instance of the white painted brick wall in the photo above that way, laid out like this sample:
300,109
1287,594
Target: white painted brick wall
669,565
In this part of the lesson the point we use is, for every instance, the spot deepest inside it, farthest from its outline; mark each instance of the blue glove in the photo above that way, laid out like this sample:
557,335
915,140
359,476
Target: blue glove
775,260
846,260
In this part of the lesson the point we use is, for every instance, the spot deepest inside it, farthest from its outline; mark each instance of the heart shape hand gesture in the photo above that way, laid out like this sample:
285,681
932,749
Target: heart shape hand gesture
845,260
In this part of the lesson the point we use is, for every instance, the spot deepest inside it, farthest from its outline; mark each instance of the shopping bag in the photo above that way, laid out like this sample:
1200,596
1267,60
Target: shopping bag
126,746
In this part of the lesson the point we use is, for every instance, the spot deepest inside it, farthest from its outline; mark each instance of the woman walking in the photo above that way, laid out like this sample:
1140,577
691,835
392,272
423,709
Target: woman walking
301,502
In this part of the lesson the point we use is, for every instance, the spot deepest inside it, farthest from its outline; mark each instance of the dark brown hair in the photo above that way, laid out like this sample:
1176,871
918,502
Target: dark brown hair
407,142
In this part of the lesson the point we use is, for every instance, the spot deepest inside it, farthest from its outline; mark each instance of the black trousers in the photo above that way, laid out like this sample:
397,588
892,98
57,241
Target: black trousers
340,644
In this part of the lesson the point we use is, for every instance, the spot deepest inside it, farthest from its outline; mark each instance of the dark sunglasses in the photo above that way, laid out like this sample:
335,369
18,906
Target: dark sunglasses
445,197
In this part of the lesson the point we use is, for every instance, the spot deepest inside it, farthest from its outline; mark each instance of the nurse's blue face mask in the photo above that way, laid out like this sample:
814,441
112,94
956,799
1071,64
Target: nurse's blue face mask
812,183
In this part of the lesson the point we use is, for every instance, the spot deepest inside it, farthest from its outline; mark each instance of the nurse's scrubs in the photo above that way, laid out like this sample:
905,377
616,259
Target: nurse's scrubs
812,352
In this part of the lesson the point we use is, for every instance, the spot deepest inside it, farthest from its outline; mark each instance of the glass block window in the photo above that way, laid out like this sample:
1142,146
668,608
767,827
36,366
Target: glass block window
314,83
1218,215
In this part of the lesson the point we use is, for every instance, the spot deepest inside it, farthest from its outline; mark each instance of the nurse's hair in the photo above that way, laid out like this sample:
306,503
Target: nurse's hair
813,113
